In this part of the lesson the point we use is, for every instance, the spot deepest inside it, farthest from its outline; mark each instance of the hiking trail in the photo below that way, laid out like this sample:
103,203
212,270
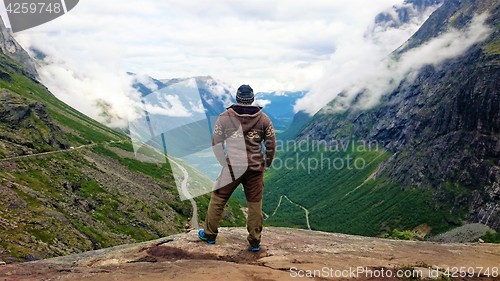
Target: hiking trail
306,211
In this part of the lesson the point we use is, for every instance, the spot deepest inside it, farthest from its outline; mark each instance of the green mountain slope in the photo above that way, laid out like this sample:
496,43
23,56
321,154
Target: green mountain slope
70,184
439,137
349,200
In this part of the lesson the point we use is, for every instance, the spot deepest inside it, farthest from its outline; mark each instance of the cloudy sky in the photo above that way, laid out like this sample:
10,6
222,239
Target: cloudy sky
271,45
274,45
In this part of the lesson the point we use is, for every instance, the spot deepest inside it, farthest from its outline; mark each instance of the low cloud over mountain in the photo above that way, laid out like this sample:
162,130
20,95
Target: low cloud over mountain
367,71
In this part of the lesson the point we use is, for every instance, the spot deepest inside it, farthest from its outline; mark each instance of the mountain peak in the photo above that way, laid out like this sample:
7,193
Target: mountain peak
402,14
198,78
11,48
452,14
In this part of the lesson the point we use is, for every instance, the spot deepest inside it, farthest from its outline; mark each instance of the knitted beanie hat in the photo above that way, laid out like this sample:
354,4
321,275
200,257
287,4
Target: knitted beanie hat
245,95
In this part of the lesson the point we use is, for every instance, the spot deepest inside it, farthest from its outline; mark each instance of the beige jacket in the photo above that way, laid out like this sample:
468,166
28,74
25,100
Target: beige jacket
239,134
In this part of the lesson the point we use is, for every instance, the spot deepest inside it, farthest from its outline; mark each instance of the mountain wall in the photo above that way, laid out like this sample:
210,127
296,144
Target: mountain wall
442,128
12,49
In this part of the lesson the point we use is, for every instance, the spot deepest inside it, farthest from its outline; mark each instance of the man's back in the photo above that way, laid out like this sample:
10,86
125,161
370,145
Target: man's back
249,123
237,143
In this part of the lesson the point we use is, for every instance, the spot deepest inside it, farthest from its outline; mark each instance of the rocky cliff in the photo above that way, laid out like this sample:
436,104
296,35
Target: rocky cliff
287,254
443,127
12,49
29,125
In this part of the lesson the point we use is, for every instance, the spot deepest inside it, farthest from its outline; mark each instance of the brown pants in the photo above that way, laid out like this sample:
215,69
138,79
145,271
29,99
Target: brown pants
253,185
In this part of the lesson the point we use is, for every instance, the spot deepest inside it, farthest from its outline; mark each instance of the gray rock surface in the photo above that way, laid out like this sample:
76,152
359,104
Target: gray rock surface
285,254
11,48
466,233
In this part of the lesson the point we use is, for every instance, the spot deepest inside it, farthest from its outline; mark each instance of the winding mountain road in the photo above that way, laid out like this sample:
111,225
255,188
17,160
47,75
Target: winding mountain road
185,191
306,211
184,184
55,151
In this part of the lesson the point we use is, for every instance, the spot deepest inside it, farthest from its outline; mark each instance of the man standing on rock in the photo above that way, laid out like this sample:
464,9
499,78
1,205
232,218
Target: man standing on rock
237,144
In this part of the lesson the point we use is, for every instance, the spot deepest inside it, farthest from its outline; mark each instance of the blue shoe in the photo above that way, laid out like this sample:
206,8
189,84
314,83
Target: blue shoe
254,248
201,235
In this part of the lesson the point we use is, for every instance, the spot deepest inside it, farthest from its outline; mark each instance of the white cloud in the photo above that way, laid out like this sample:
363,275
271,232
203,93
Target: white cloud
198,107
218,87
370,70
356,59
262,102
145,80
78,87
167,105
271,45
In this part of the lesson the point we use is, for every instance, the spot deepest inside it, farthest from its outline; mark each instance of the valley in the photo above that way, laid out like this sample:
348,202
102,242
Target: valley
69,184
82,200
438,137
